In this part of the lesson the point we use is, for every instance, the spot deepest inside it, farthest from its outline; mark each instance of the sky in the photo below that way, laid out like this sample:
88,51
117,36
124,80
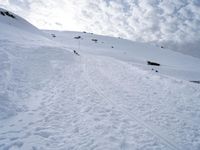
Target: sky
175,24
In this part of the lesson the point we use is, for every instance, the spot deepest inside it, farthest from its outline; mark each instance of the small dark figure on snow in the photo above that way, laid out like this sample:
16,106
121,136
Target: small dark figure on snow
154,70
75,52
77,37
53,35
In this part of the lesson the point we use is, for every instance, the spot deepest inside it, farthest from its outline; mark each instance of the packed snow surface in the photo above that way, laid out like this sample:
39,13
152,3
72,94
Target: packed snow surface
107,97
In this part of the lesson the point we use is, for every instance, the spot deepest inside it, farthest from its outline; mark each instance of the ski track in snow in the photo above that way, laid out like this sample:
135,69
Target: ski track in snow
101,103
166,141
174,123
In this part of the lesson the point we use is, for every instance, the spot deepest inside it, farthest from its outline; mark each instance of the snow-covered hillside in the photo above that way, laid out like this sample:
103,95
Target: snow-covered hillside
107,97
172,63
27,59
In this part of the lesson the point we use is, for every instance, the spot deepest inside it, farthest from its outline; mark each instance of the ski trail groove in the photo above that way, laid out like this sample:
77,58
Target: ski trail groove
175,125
165,141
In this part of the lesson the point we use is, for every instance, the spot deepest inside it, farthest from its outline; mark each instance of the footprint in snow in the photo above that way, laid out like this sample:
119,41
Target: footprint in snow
16,146
44,134
12,125
14,138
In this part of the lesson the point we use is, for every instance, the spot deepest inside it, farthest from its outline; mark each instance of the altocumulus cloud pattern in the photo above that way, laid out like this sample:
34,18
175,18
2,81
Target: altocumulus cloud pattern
172,23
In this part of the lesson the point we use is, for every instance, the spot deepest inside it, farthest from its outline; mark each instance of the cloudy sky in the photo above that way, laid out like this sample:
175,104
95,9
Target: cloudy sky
172,23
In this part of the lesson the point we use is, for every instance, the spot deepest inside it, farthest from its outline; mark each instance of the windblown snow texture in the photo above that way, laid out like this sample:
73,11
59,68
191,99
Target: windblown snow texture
105,98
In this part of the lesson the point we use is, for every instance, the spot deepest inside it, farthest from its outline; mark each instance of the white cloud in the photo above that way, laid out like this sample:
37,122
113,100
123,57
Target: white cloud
174,23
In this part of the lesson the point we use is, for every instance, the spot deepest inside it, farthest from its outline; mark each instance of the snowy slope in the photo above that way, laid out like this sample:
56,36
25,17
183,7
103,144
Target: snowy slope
106,98
10,19
172,63
26,60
